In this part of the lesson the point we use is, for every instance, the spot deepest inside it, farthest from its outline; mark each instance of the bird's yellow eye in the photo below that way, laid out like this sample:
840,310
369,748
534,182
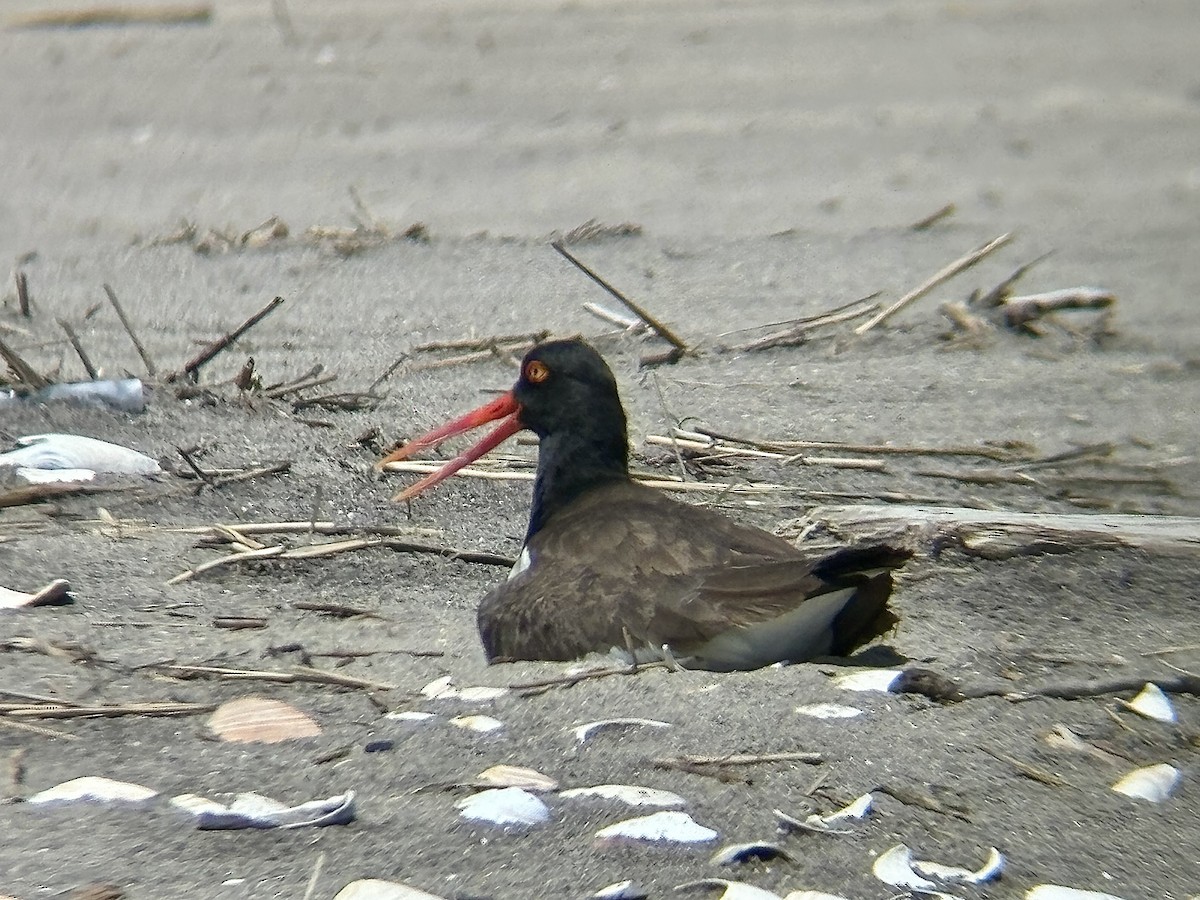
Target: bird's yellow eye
536,371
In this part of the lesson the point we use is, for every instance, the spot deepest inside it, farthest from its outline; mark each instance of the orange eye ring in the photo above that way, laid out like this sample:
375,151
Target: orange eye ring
536,372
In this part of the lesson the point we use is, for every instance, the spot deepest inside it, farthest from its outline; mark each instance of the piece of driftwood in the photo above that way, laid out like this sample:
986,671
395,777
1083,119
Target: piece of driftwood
1020,311
945,689
996,534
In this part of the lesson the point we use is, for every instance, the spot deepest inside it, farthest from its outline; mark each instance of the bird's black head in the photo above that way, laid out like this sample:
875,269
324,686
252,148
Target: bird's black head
567,387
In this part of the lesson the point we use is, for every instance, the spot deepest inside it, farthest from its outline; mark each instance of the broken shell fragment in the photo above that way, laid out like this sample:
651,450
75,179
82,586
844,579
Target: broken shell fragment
1153,783
478,724
732,890
868,680
261,720
506,807
1058,892
740,853
991,869
667,827
502,776
621,890
74,451
895,867
94,789
411,716
1152,703
250,810
55,593
585,732
858,808
829,711
443,689
632,794
375,889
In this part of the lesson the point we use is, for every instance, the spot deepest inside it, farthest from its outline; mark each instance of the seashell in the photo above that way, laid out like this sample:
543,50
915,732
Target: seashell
55,593
375,889
1058,892
1153,783
478,724
506,807
632,794
829,711
410,715
868,680
622,890
858,808
895,867
481,694
74,451
516,776
990,870
261,720
94,789
443,689
661,827
733,890
439,688
1152,703
54,476
584,733
812,895
1063,738
740,853
250,810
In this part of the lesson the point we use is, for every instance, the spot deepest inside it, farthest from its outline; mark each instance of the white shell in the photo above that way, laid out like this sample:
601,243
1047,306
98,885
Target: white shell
829,711
443,689
410,715
1058,892
621,890
858,808
516,776
375,889
633,794
506,807
894,867
261,720
1152,703
251,810
734,890
479,724
586,731
868,680
666,827
438,688
991,869
1153,783
73,451
94,789
54,476
480,694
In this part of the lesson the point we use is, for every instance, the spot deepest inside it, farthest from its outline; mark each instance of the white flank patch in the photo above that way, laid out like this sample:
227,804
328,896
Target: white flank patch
1058,892
632,794
670,827
94,789
868,680
584,733
505,807
478,724
829,711
1153,783
523,562
1152,703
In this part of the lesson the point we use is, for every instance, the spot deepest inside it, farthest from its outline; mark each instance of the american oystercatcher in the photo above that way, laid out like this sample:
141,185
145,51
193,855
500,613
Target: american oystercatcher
610,564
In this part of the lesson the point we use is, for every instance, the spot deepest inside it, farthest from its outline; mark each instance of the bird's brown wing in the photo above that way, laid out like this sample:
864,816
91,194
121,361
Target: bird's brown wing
627,564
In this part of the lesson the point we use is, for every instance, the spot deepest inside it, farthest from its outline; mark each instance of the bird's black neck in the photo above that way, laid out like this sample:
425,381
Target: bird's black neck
570,464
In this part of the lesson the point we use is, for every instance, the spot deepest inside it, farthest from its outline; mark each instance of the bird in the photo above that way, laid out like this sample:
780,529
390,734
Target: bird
609,565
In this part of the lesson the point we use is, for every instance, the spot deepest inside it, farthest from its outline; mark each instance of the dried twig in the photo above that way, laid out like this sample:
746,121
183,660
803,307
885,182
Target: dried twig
662,330
711,765
125,323
933,218
22,293
1001,292
26,374
163,708
192,368
482,343
79,351
297,674
166,14
933,281
799,331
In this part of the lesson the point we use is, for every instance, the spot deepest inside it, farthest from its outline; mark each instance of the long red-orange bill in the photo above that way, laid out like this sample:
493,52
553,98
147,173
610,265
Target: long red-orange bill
503,407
